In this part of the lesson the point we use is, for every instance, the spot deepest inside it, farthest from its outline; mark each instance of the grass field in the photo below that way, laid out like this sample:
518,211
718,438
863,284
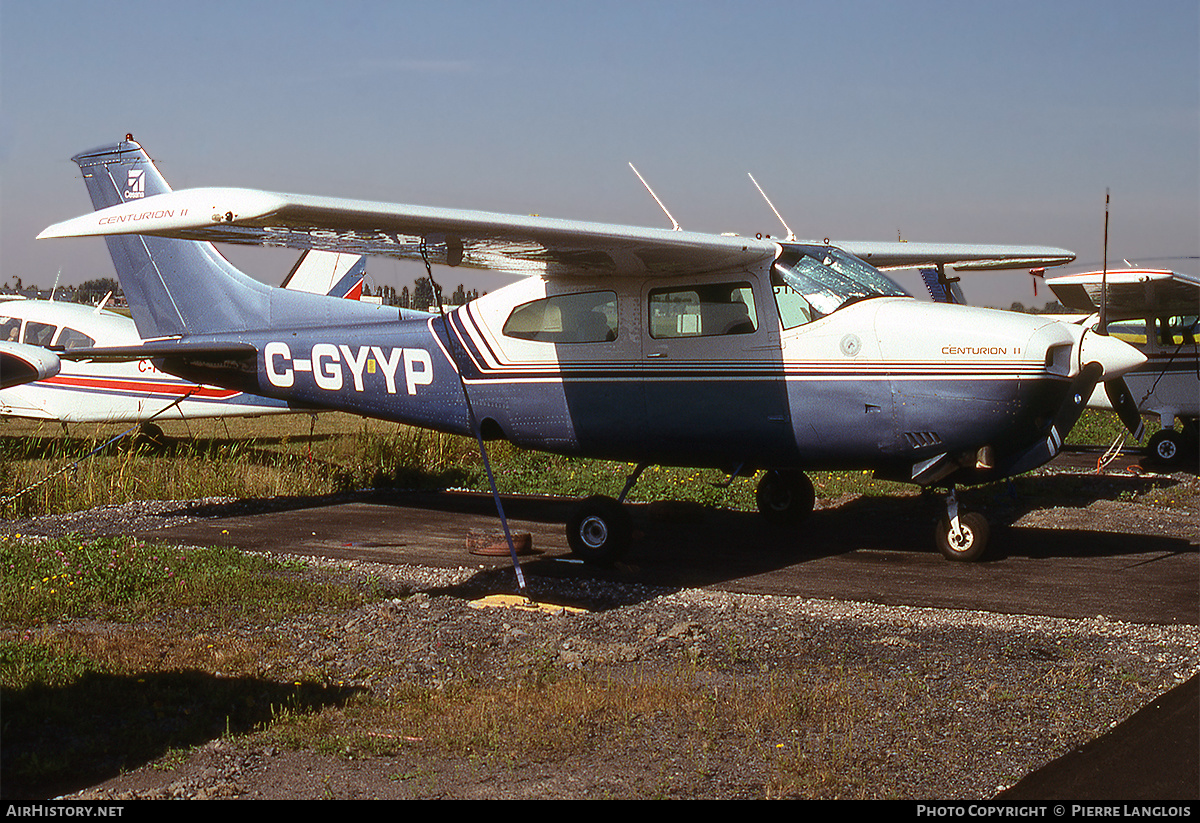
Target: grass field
44,470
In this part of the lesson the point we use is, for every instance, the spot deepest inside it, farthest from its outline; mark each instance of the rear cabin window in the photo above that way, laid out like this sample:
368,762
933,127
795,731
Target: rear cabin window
70,338
590,317
703,311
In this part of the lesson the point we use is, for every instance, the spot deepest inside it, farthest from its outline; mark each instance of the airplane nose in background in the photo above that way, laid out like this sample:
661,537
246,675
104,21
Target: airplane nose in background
1116,356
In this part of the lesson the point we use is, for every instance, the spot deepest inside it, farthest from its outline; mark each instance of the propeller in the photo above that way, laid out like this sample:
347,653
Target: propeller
1125,406
1068,413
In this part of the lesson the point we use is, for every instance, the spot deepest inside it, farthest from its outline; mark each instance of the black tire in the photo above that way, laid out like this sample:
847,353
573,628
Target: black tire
1167,448
152,434
600,531
785,498
973,542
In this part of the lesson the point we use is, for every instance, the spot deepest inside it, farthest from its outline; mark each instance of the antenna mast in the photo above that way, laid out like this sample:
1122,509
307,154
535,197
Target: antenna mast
674,223
791,235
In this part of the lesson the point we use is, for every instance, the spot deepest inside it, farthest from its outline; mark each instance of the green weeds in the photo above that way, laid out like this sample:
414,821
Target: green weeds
125,579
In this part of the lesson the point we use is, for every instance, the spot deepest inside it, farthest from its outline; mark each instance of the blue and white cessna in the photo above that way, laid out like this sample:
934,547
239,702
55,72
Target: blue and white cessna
642,345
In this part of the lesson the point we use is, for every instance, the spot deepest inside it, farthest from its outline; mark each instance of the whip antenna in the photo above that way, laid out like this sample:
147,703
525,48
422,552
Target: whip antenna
791,235
674,223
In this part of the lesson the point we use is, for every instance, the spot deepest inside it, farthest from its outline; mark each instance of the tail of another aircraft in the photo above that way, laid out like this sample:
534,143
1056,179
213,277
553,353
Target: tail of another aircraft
185,287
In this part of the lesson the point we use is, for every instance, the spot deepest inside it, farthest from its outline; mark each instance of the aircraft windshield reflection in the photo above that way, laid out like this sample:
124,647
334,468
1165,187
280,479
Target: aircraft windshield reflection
811,282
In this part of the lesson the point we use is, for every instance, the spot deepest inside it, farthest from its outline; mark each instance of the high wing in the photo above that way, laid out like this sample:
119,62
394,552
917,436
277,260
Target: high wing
1130,293
512,244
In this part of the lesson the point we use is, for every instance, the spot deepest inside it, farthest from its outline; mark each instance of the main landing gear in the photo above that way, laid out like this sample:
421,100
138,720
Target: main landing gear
961,536
785,497
1174,448
601,529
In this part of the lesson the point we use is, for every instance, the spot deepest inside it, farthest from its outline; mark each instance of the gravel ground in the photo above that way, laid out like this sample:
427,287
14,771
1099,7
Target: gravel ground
947,704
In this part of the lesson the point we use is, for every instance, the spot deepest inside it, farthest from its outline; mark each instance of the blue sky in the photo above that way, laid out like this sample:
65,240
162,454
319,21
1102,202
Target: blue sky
940,121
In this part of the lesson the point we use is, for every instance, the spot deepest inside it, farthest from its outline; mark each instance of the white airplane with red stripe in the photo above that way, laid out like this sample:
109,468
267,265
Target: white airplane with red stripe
38,384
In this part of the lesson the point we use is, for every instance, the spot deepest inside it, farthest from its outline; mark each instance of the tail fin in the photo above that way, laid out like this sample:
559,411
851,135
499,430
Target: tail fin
163,305
328,272
184,287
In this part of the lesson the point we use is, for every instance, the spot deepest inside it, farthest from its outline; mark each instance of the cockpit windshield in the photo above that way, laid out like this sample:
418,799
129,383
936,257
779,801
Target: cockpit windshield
811,282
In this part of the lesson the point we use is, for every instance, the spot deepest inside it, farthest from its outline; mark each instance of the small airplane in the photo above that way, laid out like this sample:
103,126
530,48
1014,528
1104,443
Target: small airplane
35,383
1157,311
651,346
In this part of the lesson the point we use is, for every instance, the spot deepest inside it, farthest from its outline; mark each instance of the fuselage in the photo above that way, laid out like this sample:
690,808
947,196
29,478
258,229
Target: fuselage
746,369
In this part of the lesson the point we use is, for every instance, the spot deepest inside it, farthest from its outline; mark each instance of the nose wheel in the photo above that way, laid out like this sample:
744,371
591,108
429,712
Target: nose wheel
962,537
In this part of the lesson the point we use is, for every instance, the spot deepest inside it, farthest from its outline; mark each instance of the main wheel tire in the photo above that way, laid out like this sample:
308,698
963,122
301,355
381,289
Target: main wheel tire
971,543
785,498
1167,448
600,531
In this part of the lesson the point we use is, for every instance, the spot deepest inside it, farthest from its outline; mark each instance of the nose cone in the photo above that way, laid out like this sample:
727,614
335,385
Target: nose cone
1115,356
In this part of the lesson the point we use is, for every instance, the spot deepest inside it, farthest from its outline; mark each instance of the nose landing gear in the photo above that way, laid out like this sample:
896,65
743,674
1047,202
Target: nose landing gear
962,536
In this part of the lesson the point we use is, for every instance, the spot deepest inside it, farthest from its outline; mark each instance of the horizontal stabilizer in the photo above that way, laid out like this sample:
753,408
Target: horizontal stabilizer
162,348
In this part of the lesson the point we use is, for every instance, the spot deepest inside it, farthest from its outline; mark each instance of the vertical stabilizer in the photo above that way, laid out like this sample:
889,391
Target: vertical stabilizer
154,272
185,287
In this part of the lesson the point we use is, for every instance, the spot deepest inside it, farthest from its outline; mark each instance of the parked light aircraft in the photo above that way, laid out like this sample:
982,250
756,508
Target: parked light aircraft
1156,311
34,384
651,346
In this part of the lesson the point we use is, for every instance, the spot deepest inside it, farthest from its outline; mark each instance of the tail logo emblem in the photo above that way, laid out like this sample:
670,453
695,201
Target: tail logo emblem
136,184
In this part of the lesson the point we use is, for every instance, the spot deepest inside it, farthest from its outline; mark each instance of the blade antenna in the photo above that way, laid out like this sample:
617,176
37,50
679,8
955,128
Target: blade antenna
791,235
674,223
451,339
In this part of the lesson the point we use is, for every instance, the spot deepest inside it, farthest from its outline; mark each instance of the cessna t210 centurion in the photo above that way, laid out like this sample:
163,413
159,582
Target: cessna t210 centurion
651,346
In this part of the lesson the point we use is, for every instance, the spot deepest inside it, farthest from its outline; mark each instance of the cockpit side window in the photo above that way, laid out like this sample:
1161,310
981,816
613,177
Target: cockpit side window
10,329
590,317
39,334
703,311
